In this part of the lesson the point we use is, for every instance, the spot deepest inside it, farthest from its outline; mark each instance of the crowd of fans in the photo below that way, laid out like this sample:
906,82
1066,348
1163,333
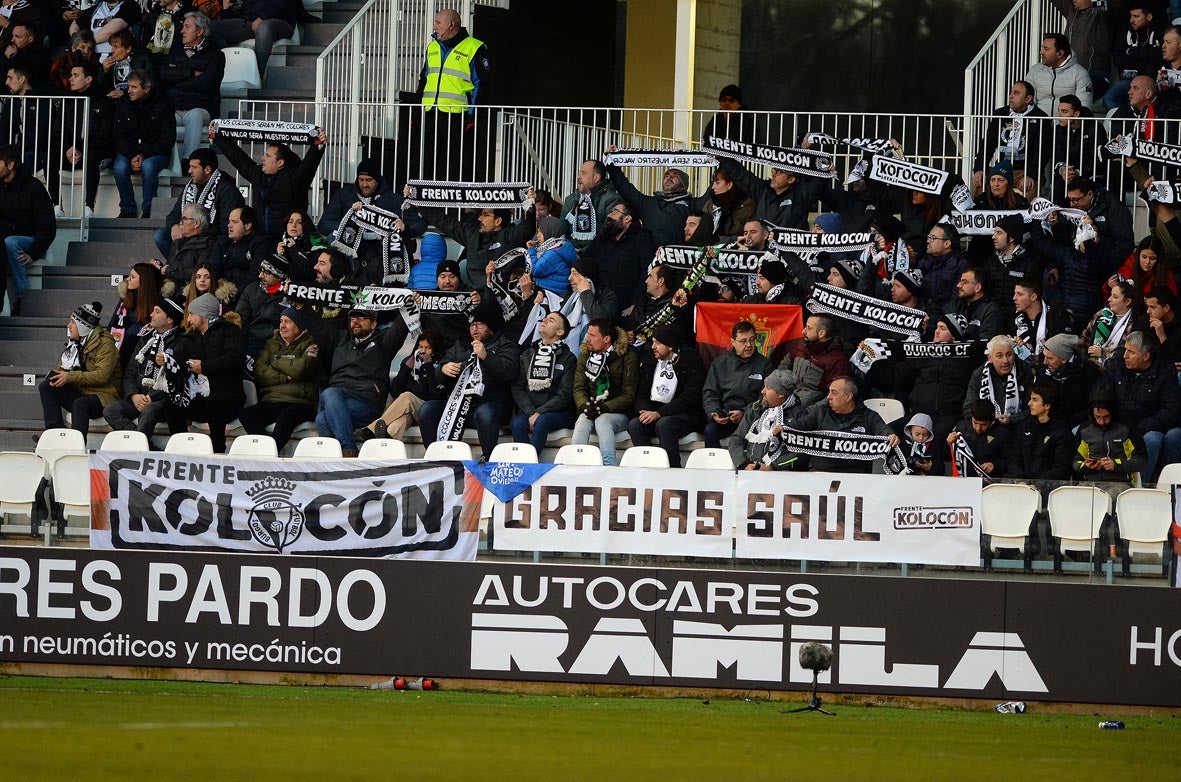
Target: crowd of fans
1075,373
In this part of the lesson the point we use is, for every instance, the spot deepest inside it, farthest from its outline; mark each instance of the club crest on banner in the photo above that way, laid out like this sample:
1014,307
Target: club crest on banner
274,519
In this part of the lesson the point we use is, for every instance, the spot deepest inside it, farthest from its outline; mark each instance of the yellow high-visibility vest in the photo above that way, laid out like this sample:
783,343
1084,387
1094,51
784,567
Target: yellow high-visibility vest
449,82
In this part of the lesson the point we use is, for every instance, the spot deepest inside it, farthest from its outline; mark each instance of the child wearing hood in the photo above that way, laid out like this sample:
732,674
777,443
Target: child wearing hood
550,256
922,455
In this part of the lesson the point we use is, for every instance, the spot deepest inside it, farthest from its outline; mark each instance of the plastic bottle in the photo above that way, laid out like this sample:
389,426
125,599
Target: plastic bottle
1112,725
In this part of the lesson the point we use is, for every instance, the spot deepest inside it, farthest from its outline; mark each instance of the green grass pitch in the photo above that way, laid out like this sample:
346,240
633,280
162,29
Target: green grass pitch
90,729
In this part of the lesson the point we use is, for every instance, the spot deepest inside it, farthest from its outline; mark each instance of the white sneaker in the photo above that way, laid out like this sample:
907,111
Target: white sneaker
58,211
87,212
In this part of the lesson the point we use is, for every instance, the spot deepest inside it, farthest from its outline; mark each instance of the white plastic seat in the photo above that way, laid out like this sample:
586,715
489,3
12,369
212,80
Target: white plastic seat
710,459
241,73
1006,510
56,443
521,453
71,487
1144,516
125,441
251,392
644,456
890,410
1076,516
190,443
448,451
254,446
381,449
23,473
1169,475
311,449
588,455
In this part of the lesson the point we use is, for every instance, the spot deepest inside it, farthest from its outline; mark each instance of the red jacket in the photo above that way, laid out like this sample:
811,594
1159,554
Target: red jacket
1125,271
829,356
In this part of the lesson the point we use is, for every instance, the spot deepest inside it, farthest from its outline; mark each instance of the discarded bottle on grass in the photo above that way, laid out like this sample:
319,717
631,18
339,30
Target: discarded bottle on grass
401,683
1112,725
1010,707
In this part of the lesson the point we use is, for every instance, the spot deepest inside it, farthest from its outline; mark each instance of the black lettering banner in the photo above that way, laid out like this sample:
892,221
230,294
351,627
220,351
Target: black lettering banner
469,195
639,626
807,162
903,173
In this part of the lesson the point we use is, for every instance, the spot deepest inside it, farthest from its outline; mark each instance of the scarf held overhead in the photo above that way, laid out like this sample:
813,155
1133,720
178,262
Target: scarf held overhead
266,131
866,310
791,159
359,225
469,195
661,158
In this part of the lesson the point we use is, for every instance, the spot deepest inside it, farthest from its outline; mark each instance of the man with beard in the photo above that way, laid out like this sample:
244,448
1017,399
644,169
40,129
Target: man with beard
1012,261
756,445
822,348
605,386
755,235
663,212
359,378
1003,380
984,318
587,207
241,249
732,383
660,287
1063,367
146,384
261,303
1161,305
451,326
783,200
543,389
1058,74
668,399
1035,322
623,250
207,187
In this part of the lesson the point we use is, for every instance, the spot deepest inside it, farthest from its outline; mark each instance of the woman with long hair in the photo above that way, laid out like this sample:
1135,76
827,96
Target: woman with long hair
205,280
139,293
1145,268
300,245
728,205
1111,325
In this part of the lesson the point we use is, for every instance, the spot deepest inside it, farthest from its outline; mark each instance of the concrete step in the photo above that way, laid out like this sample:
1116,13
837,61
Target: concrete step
288,77
42,354
122,254
125,235
22,405
60,303
321,34
124,223
162,205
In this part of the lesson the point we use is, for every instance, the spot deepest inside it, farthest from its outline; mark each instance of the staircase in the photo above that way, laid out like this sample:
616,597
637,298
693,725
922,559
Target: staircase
79,271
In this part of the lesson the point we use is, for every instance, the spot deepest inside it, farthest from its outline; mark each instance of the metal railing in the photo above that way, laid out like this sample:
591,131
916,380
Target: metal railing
1007,56
45,129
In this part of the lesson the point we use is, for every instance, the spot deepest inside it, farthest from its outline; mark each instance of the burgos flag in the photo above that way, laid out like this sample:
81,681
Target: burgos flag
777,326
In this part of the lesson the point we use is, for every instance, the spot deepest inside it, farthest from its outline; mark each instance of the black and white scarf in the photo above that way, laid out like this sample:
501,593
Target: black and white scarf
418,365
876,146
468,195
72,358
913,176
508,292
543,366
801,242
1132,145
153,377
762,435
372,223
1031,332
980,222
866,310
1011,402
662,158
1163,192
265,131
807,162
599,380
206,198
550,302
871,350
664,380
963,461
583,220
855,446
469,387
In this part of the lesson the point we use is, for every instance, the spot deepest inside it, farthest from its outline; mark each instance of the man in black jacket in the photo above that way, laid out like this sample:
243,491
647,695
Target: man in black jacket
1017,135
207,186
192,78
281,181
27,224
622,250
195,246
68,126
261,304
359,364
145,131
668,400
543,389
146,386
784,200
217,355
987,439
241,250
492,236
984,318
1042,447
663,212
1064,367
1146,389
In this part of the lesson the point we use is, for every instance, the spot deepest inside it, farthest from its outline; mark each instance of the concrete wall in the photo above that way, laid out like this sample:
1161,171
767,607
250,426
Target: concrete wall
717,50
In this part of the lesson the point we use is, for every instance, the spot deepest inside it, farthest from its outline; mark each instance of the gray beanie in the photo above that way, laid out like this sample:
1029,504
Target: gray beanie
1062,345
206,306
781,382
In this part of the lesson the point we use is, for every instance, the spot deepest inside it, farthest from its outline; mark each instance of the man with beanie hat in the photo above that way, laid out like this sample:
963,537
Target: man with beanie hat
217,357
757,444
452,326
663,212
845,273
1011,260
359,364
668,402
1064,367
207,187
87,377
1035,321
262,302
733,383
782,279
154,372
1106,448
727,123
942,264
937,385
288,375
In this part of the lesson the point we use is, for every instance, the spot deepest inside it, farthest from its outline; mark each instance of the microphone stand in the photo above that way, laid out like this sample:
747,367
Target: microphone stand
814,702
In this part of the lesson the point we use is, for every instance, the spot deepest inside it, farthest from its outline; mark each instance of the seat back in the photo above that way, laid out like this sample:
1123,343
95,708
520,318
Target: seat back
241,73
1145,515
257,446
1077,512
588,455
191,443
382,449
710,459
125,441
1169,475
22,473
71,480
644,456
448,451
1006,510
55,443
317,448
889,409
521,453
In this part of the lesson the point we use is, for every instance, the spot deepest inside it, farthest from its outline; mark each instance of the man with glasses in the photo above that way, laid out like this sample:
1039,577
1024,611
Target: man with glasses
983,317
733,383
943,264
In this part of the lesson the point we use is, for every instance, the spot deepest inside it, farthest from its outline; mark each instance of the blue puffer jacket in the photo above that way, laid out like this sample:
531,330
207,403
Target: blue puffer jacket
432,250
551,269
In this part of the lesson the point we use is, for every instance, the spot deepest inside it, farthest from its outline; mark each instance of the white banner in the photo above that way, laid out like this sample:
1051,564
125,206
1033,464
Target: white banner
858,518
413,510
815,516
606,509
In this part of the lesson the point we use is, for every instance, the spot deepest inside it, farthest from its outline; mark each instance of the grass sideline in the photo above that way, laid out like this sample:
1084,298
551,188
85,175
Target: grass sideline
119,729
